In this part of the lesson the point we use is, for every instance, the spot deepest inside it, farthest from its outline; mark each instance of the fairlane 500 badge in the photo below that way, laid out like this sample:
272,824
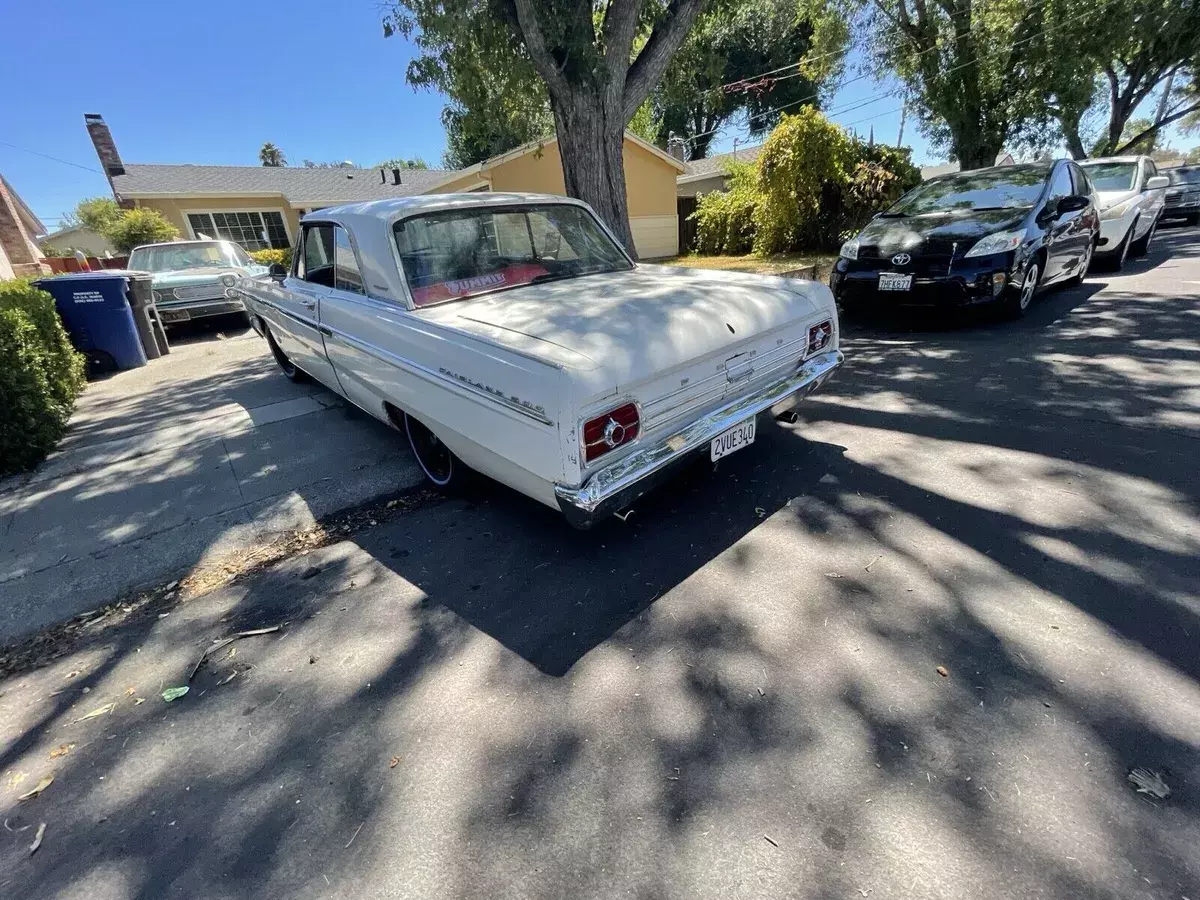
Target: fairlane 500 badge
500,395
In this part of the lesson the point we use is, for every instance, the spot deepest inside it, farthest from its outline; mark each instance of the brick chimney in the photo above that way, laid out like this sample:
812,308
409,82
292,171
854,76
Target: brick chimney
106,149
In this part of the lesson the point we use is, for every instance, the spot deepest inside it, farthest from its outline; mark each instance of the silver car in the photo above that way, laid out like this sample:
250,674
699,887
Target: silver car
1131,194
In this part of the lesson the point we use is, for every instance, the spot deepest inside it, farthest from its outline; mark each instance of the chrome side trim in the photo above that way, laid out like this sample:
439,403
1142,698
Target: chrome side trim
442,377
607,487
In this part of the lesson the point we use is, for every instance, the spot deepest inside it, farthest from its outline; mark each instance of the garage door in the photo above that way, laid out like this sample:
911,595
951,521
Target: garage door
655,236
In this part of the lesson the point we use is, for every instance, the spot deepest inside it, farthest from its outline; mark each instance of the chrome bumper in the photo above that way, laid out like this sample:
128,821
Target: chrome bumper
613,488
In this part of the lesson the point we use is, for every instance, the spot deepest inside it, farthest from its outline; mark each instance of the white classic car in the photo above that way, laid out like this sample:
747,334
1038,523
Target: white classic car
194,279
511,335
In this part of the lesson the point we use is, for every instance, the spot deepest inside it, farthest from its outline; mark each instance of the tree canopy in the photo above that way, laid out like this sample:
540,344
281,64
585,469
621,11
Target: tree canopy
597,61
272,156
750,57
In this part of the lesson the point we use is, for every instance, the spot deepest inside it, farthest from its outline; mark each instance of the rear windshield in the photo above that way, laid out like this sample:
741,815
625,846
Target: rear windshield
1004,187
461,253
1112,176
1183,176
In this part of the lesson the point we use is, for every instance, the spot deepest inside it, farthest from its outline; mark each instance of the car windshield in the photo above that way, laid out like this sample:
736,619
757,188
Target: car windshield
1004,187
192,255
464,252
1183,176
1112,176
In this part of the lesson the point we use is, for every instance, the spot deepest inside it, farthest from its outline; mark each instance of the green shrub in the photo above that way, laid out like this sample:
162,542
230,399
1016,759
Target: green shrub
40,376
135,227
811,186
266,257
725,219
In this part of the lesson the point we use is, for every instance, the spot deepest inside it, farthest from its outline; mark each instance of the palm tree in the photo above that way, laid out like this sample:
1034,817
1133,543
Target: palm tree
270,155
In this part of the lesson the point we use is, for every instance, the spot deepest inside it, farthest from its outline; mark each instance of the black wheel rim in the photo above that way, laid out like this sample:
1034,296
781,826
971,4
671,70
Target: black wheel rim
433,456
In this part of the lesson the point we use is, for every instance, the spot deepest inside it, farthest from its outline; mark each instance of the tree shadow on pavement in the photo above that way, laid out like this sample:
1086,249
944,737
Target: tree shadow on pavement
907,648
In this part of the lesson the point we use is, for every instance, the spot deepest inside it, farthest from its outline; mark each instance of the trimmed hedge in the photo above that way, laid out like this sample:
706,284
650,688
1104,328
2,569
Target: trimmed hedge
40,376
266,257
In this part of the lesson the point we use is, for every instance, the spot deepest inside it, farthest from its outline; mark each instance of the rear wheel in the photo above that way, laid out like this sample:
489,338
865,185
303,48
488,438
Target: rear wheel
444,470
290,370
1140,248
1020,298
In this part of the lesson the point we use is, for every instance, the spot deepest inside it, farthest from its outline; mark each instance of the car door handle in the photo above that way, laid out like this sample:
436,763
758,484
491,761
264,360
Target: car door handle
308,304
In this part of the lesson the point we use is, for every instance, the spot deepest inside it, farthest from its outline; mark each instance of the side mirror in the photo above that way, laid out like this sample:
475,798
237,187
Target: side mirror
277,271
1073,203
1157,182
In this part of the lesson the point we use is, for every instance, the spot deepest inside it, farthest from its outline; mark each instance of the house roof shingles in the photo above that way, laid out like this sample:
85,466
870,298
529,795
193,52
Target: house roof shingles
300,186
716,165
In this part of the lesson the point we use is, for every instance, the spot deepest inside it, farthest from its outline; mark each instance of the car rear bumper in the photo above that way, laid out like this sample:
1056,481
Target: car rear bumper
611,489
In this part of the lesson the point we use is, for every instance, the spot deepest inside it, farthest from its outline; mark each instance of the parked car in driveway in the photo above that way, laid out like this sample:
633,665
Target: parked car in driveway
511,335
194,279
1132,194
988,236
1183,194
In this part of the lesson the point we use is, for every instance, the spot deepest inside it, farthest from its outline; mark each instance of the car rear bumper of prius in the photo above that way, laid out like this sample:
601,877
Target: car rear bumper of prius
615,487
964,283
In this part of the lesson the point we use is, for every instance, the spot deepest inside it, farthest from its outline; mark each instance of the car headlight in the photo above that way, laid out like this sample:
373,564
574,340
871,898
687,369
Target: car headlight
849,249
1115,212
228,280
1001,242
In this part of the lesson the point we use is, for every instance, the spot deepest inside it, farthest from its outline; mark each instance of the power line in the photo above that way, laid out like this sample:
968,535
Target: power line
65,162
892,93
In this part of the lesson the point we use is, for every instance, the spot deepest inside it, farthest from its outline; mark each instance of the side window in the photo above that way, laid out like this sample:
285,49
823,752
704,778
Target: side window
1150,171
1061,185
346,276
316,263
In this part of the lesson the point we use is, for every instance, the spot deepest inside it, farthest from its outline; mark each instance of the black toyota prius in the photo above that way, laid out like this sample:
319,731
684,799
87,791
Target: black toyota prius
988,236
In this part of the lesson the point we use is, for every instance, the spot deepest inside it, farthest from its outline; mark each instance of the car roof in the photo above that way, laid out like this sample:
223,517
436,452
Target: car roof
1109,159
183,243
401,206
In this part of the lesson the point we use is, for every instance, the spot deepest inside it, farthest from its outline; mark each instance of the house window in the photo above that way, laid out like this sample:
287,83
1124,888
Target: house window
252,230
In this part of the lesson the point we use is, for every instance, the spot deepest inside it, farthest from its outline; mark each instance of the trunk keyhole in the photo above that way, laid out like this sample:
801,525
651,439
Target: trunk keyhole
730,327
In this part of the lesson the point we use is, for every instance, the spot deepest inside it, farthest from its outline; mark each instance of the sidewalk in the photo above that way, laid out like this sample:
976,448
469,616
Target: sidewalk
201,454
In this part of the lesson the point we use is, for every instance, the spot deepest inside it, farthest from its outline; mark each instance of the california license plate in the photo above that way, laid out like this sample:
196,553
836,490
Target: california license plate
173,315
737,437
889,281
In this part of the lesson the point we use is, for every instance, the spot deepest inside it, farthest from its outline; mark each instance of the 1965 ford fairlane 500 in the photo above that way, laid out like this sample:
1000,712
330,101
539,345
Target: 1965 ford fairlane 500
511,335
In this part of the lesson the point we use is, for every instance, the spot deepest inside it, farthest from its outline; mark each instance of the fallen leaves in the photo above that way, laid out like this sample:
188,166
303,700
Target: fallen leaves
174,693
97,712
225,642
395,762
37,839
41,786
16,778
61,750
943,671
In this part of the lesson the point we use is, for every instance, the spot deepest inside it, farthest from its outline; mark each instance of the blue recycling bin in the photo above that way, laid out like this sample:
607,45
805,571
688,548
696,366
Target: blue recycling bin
95,308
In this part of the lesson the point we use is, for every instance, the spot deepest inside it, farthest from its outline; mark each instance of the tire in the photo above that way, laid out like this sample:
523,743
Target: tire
290,370
1140,248
1018,301
1077,278
442,468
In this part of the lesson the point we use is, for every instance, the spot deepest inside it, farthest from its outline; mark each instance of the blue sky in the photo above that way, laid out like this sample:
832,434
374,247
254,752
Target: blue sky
210,82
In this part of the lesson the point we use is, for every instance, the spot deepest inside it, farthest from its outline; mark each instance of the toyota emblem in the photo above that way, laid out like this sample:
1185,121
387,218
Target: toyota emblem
901,259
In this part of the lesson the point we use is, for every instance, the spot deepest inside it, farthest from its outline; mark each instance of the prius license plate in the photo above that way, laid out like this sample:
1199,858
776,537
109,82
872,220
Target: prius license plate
737,437
889,281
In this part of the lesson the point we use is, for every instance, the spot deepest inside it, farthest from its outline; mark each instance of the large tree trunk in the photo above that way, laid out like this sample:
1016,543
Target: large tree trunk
973,149
591,139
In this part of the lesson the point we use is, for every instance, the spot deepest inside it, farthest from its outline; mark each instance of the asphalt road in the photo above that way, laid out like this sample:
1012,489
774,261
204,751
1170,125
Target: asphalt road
908,647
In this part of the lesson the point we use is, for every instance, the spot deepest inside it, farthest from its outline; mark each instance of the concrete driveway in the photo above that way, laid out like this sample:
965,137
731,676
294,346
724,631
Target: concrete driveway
199,455
910,647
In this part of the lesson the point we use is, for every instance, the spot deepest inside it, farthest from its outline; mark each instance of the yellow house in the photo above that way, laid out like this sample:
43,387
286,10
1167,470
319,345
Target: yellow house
260,206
